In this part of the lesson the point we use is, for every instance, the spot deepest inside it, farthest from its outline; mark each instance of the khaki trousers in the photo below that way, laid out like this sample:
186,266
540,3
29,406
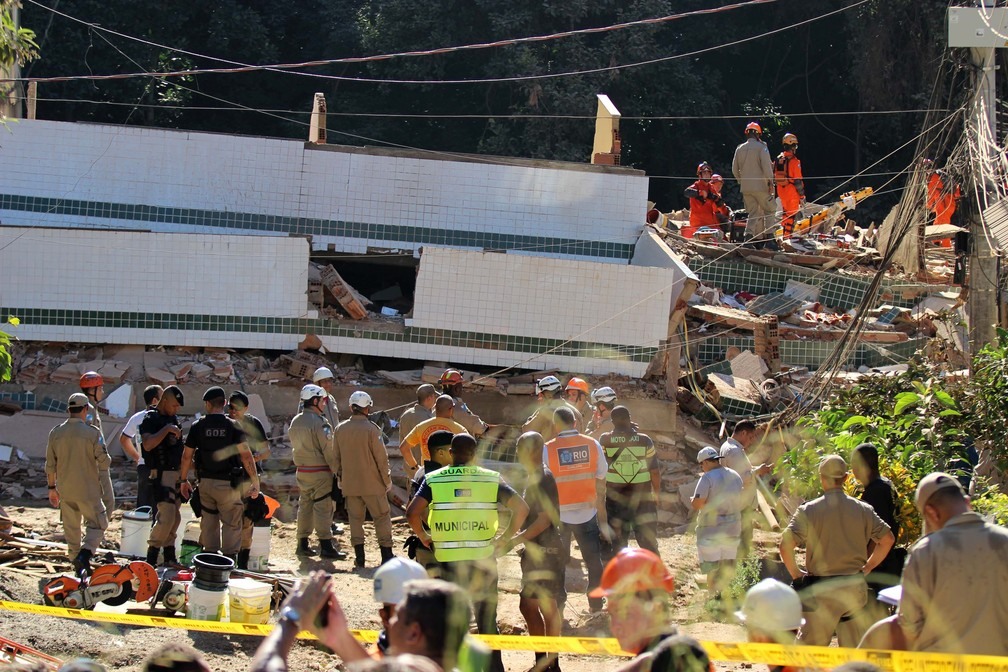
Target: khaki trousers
108,493
762,207
223,512
92,513
835,605
378,507
167,517
316,506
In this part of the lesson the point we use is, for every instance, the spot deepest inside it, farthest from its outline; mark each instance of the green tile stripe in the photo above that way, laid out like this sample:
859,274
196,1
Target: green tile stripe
323,327
246,221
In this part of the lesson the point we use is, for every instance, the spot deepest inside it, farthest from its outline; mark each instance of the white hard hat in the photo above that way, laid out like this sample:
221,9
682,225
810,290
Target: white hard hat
606,394
311,391
361,398
708,453
322,373
771,606
390,577
548,384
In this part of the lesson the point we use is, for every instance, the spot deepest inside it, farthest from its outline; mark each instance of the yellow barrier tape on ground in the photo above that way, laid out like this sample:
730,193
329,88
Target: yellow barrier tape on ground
812,657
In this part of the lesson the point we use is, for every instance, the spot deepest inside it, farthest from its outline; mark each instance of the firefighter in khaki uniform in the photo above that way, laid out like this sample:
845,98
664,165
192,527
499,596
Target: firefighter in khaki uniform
91,384
75,455
362,470
632,486
835,530
549,393
311,438
452,383
460,505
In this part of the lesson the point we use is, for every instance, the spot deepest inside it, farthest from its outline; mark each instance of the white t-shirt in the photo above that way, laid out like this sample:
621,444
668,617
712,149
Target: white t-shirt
582,515
131,429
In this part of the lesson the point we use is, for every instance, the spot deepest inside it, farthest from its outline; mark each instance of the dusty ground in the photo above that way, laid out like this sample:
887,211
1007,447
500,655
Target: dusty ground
123,648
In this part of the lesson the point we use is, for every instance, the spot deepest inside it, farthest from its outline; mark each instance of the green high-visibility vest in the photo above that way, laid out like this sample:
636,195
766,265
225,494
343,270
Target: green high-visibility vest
462,516
627,458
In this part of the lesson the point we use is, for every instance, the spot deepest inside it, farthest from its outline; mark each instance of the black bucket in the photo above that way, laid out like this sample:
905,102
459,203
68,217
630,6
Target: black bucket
212,571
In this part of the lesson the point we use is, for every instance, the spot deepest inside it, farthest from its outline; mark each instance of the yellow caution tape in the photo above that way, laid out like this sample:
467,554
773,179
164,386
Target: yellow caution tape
811,657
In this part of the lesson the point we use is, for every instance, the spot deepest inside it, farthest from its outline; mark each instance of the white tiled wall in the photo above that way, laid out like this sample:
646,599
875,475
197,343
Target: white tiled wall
230,173
153,272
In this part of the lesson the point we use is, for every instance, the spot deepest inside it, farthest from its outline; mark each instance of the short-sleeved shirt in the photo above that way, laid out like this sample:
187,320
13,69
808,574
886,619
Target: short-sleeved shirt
473,424
721,513
420,434
541,495
835,530
624,467
734,457
955,589
132,429
215,439
504,491
168,454
588,511
255,436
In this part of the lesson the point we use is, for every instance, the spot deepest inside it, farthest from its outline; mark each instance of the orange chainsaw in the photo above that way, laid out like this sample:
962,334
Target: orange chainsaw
112,584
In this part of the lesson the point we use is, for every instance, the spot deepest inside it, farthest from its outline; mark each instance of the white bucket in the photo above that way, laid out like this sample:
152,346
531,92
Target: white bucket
136,527
260,550
250,600
187,515
206,605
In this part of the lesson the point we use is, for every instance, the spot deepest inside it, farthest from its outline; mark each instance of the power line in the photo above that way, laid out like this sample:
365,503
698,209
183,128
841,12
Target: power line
293,67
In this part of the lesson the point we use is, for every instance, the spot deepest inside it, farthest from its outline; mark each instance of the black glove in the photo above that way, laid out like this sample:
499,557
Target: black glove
194,502
410,546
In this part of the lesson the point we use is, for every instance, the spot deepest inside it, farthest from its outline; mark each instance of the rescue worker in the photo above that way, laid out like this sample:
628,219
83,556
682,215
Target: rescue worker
161,443
323,377
311,438
128,442
733,456
580,468
92,385
576,393
452,383
955,583
258,443
717,499
942,197
422,410
216,446
722,213
604,400
460,505
632,486
835,530
701,201
439,444
790,185
362,470
637,586
541,557
753,168
75,455
443,420
771,613
549,394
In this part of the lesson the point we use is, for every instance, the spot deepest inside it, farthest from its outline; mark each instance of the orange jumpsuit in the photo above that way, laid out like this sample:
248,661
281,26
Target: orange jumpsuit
942,201
790,187
703,200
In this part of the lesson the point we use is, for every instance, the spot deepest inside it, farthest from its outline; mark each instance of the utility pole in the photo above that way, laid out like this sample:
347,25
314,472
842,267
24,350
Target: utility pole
982,30
10,93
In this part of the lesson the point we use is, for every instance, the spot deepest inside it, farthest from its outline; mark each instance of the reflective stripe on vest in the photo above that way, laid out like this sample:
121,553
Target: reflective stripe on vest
462,516
573,461
781,170
627,461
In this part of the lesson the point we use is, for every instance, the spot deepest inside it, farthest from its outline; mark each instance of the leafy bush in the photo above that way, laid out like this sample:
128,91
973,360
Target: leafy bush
993,504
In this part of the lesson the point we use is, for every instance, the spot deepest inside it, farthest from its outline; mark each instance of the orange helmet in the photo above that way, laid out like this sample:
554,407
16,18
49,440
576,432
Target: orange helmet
451,377
754,127
715,178
579,385
789,139
91,379
634,570
702,167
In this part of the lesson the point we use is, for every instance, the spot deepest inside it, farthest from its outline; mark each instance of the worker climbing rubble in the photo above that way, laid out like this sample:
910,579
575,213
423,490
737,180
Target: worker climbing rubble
790,185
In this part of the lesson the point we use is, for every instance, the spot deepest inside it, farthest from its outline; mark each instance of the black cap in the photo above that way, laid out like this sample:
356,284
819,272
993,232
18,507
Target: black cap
439,439
215,393
175,392
240,396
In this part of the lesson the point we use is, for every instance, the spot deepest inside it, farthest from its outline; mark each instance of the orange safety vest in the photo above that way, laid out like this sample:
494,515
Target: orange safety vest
573,460
781,171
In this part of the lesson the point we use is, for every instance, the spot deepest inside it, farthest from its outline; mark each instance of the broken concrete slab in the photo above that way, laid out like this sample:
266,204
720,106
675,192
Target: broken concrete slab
160,376
748,365
119,403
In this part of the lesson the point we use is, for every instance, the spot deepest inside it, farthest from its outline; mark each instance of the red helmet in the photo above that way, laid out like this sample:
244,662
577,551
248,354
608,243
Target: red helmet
91,379
702,167
753,126
451,377
579,385
634,570
715,178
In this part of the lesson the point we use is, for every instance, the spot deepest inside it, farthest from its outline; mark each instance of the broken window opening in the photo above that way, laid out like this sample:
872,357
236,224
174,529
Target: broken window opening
380,283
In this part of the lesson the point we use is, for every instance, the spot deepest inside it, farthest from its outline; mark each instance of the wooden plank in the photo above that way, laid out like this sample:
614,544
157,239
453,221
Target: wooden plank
724,315
836,334
767,511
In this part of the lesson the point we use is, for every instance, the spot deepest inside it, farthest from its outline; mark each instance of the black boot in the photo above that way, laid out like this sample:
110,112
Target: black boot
152,555
386,554
169,556
82,563
327,550
303,548
243,558
358,555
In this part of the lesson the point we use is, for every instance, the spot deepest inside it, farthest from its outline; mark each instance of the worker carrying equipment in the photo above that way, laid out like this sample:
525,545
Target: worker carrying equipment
790,186
703,200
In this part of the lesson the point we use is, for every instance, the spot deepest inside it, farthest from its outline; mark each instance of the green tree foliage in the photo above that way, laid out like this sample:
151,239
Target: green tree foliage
17,44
